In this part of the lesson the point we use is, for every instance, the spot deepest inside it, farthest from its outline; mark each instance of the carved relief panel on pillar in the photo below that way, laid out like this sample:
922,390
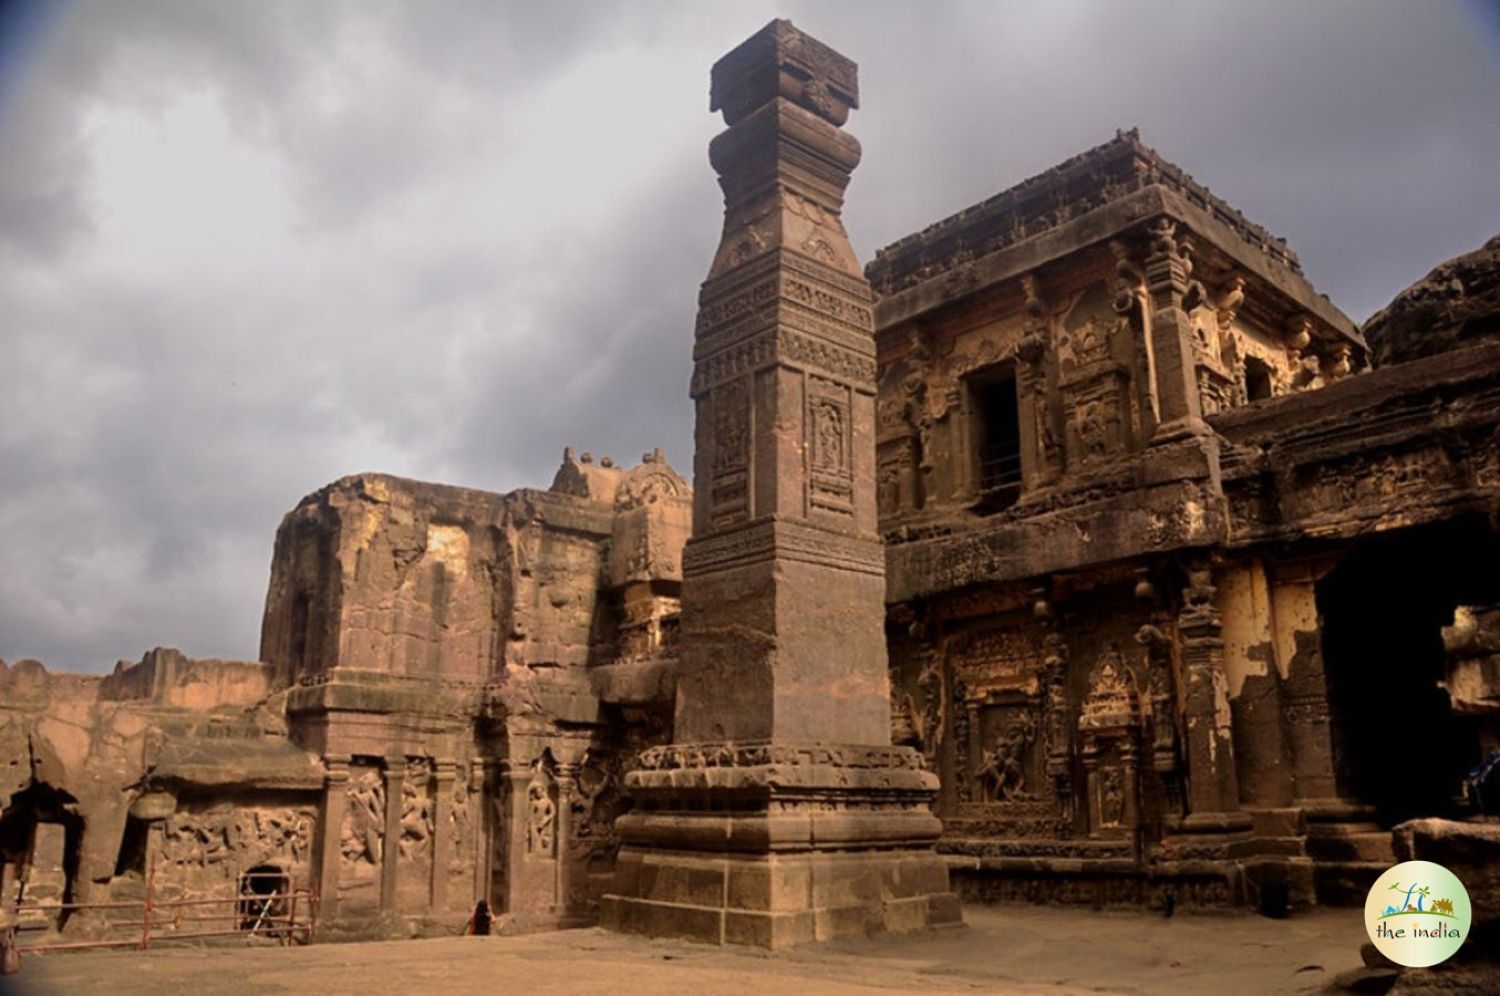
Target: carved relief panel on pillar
828,445
362,836
729,496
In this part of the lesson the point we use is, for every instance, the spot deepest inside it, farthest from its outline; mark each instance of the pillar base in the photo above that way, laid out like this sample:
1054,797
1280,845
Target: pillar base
776,845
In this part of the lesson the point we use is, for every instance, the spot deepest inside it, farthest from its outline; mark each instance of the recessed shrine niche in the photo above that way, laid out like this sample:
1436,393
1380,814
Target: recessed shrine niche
1109,725
1000,736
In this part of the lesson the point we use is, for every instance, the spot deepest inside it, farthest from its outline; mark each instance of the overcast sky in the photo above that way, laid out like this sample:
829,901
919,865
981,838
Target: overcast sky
249,247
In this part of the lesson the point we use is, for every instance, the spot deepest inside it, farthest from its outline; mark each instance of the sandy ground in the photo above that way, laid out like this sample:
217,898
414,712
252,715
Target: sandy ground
1008,949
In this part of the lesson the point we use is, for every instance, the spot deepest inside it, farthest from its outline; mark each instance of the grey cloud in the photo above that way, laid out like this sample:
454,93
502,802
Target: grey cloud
159,424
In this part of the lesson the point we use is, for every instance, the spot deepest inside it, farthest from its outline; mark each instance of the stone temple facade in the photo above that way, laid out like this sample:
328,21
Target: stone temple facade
1074,549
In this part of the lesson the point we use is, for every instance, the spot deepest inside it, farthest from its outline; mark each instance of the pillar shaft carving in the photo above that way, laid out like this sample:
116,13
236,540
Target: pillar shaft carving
1212,780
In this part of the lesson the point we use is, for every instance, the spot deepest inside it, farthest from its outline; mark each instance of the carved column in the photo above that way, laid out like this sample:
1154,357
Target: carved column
1040,456
444,772
1059,716
481,785
567,777
782,766
390,851
1304,694
1213,788
1167,279
327,854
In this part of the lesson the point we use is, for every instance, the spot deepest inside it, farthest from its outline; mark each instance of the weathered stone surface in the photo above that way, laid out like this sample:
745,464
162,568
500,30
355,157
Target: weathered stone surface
1457,304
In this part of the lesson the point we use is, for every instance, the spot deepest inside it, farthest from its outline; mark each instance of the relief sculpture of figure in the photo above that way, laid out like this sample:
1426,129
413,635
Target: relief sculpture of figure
542,817
416,820
362,824
1003,771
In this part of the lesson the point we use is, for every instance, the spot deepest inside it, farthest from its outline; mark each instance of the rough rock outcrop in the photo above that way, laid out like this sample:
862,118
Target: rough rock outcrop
1457,304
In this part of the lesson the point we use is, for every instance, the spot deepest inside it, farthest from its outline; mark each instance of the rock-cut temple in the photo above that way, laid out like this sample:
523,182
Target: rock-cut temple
1074,549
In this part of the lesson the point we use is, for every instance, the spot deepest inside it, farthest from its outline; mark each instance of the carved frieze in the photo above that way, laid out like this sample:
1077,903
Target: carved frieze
238,838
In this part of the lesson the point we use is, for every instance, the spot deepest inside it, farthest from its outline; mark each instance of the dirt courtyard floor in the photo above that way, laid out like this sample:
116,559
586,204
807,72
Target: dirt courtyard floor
1009,949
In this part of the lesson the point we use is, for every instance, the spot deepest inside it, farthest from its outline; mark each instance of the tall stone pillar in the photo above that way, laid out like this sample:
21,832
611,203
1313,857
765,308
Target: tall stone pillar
444,773
395,783
326,856
782,813
1213,787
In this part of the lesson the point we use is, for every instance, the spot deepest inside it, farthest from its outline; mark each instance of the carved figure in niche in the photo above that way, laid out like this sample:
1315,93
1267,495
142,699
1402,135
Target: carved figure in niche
1093,428
416,813
828,436
1003,769
458,817
930,735
904,714
914,388
888,488
1111,797
541,815
360,838
731,416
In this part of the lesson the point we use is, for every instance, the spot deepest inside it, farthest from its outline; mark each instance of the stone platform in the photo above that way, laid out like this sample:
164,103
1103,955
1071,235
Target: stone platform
778,845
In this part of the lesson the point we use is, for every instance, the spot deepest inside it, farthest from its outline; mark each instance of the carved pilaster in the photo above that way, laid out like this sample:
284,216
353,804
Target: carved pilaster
444,773
1168,270
1041,449
395,790
326,853
1212,781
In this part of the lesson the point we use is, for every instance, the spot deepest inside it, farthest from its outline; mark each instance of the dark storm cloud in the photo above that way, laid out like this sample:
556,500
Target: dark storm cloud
249,248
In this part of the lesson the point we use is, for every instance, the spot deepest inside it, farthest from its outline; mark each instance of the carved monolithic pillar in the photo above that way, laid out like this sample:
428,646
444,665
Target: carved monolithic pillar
782,813
326,856
395,784
1213,786
444,774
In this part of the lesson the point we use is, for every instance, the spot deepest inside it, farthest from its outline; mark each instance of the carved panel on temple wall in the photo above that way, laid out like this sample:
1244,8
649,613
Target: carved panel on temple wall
1060,727
1109,723
1094,346
362,836
541,813
416,810
1000,732
205,850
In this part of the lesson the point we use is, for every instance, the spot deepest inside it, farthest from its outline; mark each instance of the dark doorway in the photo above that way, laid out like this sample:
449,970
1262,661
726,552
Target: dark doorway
998,432
1397,743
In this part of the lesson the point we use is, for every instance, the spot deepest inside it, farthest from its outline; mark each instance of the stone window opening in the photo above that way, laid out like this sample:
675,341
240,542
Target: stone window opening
1257,379
997,437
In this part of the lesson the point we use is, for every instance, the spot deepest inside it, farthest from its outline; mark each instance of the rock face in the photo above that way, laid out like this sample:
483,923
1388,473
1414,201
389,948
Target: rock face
1457,304
1470,849
780,813
452,686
